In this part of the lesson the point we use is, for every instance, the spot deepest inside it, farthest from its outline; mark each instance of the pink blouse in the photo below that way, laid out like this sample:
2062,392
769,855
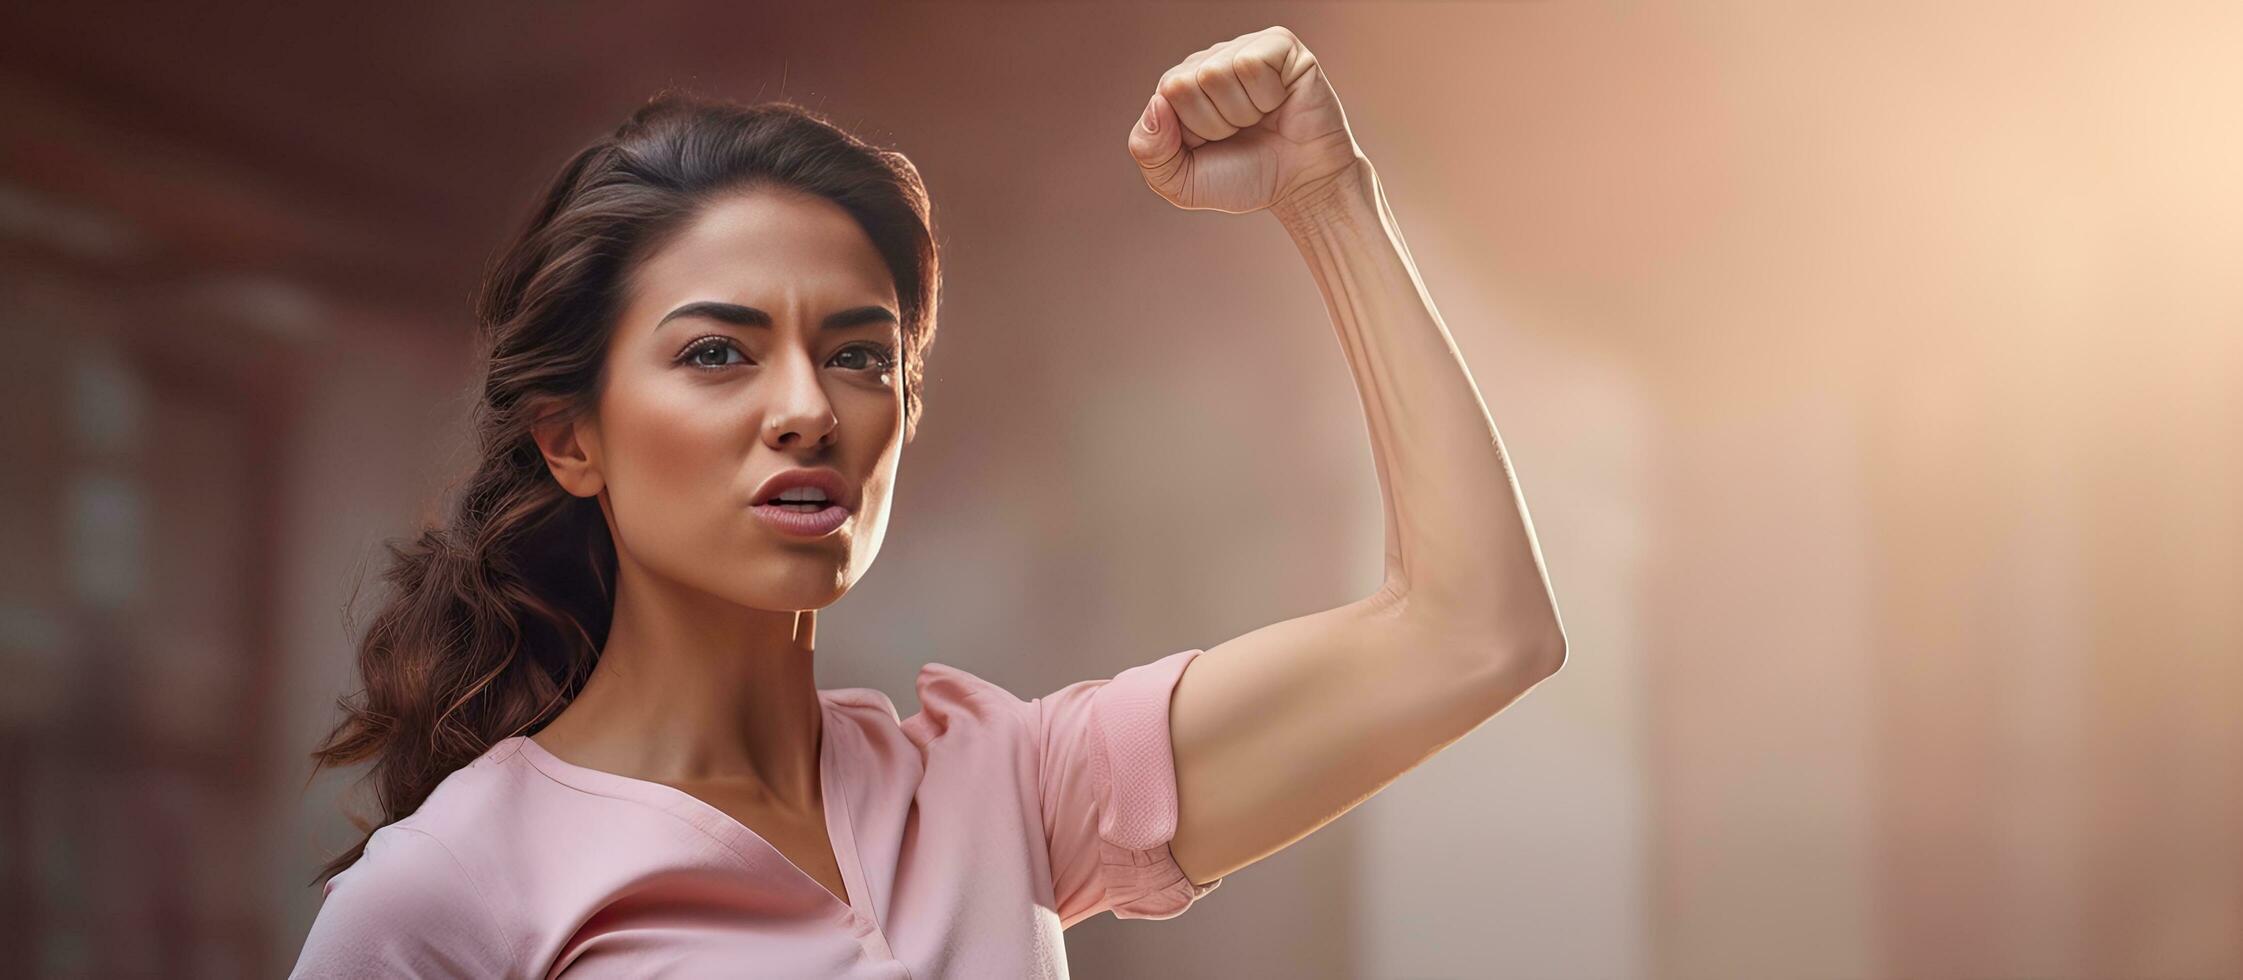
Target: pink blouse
970,835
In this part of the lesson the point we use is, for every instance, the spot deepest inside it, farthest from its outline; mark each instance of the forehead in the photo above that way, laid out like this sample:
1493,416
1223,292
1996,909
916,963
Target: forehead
789,252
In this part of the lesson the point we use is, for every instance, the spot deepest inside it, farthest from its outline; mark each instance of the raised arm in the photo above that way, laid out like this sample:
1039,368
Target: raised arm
1279,731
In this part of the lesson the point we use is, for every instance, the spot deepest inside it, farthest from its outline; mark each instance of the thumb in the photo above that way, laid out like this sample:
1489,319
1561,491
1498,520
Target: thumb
1157,142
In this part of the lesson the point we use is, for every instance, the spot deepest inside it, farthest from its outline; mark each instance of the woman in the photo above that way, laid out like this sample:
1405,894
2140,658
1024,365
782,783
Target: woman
591,707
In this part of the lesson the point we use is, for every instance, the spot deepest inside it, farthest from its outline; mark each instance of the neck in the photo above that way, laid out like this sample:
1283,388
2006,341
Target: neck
693,688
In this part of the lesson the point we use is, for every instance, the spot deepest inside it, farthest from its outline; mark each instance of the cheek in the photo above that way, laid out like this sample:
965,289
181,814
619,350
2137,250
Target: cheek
671,451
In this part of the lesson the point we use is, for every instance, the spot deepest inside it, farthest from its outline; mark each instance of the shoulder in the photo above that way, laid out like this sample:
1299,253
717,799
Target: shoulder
407,905
424,897
472,804
404,861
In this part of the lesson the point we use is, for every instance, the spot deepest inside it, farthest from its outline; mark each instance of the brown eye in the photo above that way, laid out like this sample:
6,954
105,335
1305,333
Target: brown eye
693,353
881,358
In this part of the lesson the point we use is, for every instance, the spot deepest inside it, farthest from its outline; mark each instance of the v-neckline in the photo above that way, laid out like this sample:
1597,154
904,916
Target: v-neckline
834,800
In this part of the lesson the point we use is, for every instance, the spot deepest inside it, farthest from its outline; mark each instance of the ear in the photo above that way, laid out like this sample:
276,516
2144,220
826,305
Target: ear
571,450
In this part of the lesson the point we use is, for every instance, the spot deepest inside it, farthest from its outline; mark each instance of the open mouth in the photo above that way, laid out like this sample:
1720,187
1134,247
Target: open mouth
800,506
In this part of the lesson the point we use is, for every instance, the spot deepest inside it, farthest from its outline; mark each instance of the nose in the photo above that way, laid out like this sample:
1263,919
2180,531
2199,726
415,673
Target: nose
799,413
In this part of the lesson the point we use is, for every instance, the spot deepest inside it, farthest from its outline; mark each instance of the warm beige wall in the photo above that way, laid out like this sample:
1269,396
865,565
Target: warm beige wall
1938,307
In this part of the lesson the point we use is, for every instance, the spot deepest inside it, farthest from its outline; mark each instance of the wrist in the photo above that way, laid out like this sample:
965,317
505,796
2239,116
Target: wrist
1341,195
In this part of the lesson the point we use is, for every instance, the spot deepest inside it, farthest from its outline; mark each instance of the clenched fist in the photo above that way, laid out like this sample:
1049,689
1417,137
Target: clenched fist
1243,125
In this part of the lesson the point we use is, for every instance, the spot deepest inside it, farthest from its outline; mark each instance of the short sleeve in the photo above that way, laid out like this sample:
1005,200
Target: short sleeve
1108,788
406,908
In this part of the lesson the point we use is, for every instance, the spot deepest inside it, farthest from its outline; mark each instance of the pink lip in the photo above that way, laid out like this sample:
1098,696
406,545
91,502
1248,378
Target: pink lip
807,524
838,491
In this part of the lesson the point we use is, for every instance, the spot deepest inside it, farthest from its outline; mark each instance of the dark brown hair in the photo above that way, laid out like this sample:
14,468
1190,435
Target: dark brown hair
497,616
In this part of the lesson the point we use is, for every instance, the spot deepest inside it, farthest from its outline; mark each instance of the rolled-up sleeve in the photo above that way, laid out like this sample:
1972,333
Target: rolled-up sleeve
1108,787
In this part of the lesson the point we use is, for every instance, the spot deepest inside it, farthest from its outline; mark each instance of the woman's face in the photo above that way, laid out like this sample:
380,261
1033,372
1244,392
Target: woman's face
736,356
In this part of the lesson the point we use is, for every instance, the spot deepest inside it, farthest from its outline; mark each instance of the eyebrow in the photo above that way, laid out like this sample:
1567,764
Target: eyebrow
749,316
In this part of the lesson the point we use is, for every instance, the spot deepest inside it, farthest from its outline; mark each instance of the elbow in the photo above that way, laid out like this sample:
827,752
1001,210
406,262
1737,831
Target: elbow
1524,660
1512,668
1554,658
1540,651
1543,656
1542,647
1497,644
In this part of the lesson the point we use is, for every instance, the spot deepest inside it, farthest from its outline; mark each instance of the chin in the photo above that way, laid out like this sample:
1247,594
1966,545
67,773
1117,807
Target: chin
811,583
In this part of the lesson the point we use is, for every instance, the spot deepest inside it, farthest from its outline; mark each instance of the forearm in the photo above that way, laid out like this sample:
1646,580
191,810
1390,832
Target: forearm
1460,547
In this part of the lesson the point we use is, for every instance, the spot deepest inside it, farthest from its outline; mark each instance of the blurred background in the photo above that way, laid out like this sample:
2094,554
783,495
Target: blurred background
1874,375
